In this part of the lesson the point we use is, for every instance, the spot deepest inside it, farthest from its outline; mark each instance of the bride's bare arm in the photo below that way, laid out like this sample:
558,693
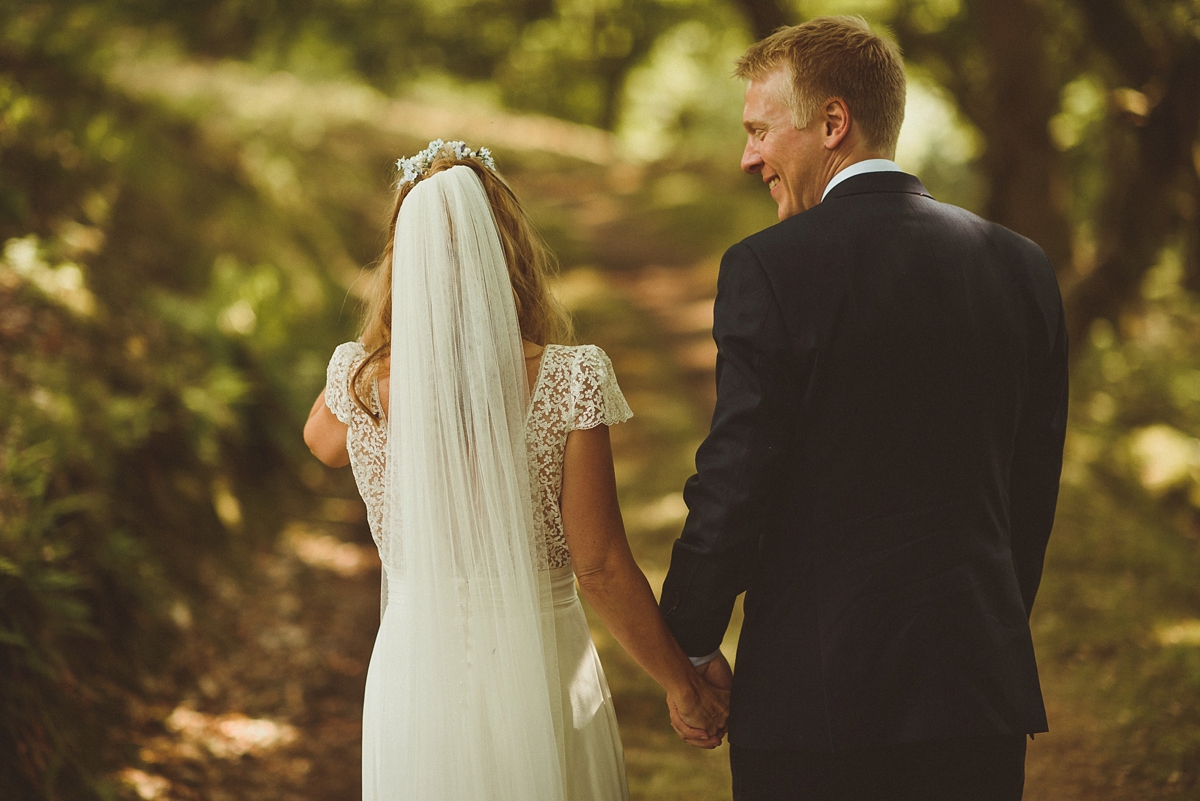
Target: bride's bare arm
325,435
616,588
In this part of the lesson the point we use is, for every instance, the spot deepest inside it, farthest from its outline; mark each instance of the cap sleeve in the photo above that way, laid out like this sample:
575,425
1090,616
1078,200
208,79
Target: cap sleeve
337,380
596,397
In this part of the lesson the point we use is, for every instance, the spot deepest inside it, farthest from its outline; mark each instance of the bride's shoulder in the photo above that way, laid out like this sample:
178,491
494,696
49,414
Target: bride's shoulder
348,352
588,378
584,368
345,358
577,358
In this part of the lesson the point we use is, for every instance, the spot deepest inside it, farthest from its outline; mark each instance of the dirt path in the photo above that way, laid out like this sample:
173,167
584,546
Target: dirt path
276,714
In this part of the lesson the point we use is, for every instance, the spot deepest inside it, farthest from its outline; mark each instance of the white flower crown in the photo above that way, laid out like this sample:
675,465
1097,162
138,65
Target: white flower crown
414,167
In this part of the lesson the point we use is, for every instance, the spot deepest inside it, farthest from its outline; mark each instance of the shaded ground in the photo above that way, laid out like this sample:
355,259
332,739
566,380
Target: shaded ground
275,714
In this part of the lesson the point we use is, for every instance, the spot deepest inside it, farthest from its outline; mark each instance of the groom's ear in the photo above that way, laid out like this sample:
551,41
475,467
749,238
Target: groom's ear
835,122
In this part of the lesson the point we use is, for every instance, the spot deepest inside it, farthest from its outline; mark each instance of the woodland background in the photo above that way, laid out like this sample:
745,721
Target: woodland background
192,191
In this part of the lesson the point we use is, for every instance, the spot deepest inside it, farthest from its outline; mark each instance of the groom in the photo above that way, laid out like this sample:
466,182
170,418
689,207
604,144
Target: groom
881,474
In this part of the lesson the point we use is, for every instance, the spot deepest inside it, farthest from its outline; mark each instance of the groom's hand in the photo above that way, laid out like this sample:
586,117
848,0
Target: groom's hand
717,672
703,723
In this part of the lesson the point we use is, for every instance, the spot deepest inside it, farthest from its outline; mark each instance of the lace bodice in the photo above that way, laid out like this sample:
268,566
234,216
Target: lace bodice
576,388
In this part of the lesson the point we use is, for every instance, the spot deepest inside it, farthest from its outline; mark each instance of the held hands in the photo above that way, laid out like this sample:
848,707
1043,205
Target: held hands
699,712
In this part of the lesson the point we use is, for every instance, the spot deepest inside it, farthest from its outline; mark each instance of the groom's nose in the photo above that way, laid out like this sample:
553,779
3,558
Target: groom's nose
751,161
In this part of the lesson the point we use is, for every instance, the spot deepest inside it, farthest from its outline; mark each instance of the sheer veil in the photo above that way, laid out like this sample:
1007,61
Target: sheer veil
478,682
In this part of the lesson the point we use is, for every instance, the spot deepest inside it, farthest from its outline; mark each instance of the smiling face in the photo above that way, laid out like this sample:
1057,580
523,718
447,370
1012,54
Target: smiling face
793,162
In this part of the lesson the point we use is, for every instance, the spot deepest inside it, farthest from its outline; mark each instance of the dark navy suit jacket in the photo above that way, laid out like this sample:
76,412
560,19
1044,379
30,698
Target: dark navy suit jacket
881,474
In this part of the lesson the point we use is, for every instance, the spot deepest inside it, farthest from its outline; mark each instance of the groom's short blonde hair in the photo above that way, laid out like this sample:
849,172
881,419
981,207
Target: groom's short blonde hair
835,57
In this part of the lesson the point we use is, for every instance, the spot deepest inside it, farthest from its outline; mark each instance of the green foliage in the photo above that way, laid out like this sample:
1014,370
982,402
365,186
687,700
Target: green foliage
155,300
568,58
1120,612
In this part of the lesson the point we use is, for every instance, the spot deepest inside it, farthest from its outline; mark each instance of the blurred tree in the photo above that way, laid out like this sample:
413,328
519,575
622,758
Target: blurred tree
766,16
1150,63
568,58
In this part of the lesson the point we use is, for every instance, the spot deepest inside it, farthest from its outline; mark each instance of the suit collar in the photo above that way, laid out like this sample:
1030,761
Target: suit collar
858,168
873,182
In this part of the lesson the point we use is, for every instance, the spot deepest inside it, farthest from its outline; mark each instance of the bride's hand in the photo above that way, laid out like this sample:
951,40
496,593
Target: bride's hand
699,711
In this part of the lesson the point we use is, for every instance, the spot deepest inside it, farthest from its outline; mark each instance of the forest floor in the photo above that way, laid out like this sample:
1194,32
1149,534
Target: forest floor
276,716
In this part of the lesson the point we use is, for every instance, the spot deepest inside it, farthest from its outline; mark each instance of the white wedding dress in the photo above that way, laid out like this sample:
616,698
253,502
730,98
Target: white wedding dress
575,389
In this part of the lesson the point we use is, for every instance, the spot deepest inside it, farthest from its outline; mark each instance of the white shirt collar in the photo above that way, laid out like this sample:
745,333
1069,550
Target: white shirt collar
858,168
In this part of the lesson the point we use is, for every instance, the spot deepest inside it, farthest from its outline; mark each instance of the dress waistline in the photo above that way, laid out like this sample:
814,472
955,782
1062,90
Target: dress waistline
562,585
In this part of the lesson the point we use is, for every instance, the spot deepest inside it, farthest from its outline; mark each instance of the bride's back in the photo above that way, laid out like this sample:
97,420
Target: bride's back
571,387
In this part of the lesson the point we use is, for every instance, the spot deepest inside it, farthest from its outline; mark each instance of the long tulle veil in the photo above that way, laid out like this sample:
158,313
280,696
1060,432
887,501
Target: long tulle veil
478,686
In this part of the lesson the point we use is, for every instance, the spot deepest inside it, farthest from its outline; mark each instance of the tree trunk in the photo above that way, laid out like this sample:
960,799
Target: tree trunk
1027,176
1153,197
765,16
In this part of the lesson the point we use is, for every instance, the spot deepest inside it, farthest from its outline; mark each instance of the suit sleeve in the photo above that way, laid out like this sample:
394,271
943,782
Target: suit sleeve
732,490
1037,466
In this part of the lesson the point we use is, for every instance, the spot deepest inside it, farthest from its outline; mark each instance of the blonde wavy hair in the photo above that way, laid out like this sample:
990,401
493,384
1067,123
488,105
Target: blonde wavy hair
541,317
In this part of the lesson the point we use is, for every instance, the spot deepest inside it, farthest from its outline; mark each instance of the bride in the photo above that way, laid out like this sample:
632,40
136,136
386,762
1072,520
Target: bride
481,450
